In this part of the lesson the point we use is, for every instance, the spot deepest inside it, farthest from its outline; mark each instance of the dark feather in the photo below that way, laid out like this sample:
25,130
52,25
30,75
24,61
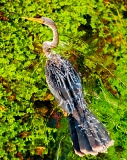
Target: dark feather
64,83
87,133
91,136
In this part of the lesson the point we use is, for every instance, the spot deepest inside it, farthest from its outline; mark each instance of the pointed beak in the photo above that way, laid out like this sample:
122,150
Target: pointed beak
39,20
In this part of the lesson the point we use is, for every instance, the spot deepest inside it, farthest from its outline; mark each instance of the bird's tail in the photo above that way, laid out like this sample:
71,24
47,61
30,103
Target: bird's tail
87,133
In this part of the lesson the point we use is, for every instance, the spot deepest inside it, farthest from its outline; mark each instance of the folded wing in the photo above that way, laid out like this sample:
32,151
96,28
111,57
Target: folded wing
87,133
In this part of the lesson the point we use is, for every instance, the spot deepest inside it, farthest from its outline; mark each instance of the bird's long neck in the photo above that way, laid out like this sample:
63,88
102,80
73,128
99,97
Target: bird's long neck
55,40
48,45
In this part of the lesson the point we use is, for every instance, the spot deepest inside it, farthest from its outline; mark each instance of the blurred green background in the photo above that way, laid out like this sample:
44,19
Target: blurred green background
93,36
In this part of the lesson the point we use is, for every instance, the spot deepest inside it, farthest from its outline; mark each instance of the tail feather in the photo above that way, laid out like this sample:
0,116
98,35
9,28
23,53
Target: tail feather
88,134
84,142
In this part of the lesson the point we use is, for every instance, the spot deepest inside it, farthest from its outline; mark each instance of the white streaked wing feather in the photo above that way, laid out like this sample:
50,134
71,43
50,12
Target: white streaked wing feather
64,83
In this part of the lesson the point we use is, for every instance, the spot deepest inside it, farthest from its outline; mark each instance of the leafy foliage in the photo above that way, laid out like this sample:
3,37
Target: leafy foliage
93,37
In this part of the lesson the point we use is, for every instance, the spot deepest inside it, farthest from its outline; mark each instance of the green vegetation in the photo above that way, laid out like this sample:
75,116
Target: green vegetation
93,36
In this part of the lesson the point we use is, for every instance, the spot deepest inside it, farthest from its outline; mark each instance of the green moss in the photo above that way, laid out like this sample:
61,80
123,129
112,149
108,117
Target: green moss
93,37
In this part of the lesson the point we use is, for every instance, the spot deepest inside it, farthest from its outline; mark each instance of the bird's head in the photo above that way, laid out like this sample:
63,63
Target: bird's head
43,20
47,45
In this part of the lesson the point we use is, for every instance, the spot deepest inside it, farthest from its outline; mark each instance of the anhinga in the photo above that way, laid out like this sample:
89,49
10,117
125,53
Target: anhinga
87,133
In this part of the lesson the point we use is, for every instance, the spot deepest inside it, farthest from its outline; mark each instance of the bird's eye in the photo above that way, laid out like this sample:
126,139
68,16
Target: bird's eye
48,50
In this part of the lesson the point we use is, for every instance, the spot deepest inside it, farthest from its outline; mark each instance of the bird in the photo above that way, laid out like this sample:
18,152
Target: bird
88,134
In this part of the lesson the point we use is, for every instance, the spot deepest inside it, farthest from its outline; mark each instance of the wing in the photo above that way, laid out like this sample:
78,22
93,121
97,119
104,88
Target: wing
87,133
64,83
